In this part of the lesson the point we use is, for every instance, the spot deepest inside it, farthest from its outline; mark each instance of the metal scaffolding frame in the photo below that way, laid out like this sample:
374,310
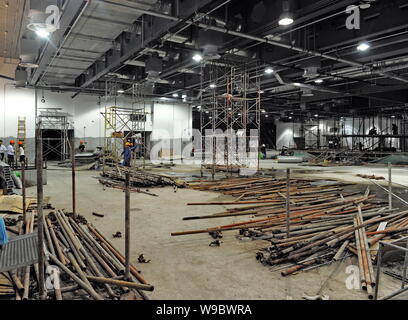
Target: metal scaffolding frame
124,124
55,119
230,108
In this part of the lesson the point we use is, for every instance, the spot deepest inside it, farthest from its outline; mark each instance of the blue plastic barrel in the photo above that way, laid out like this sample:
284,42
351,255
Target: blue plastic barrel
3,232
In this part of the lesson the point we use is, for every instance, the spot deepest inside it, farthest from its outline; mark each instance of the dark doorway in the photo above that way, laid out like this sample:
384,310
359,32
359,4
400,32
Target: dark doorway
268,135
55,144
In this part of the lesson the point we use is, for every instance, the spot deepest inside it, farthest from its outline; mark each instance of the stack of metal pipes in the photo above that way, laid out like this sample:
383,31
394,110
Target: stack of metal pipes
80,264
325,224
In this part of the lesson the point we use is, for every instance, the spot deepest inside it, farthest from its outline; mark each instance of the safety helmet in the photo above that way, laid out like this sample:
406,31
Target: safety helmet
12,141
20,143
81,142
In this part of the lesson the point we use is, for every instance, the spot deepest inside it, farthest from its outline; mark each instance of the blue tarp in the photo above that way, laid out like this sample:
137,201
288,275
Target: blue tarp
3,232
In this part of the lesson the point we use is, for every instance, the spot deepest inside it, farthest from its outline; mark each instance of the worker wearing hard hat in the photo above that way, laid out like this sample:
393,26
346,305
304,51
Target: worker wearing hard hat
127,152
21,151
3,150
81,146
10,154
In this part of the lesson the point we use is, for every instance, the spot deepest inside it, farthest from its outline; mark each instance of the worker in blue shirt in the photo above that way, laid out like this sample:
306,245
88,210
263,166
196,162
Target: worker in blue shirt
127,152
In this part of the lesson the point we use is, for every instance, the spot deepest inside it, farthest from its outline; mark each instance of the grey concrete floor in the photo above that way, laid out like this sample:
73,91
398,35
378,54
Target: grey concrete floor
186,267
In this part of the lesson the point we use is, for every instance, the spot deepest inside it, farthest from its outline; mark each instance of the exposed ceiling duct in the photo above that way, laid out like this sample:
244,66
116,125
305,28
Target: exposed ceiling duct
29,50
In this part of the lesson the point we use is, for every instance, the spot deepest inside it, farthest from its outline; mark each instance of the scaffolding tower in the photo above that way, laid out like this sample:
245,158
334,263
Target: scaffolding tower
124,124
55,119
230,116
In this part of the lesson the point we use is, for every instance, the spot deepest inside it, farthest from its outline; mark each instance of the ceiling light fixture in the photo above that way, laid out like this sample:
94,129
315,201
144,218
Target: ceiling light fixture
318,81
175,95
120,91
197,57
42,33
268,70
286,18
212,86
363,46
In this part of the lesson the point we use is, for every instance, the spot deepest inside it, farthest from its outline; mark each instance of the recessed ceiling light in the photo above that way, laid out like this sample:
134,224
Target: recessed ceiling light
285,19
290,118
268,70
364,46
197,57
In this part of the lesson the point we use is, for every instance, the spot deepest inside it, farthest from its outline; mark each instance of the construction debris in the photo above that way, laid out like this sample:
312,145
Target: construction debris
80,263
115,177
325,222
373,177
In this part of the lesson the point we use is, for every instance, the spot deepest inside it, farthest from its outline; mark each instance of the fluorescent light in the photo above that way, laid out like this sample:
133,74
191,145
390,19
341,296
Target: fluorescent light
393,117
316,115
175,95
290,118
197,57
212,86
42,33
263,111
364,46
261,91
163,98
268,70
297,84
318,81
184,96
120,91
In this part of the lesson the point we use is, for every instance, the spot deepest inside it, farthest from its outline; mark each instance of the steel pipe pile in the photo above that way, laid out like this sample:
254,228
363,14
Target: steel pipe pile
139,178
80,262
326,223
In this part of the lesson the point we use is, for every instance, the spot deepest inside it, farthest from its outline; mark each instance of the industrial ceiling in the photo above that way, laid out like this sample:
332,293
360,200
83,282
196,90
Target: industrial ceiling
316,62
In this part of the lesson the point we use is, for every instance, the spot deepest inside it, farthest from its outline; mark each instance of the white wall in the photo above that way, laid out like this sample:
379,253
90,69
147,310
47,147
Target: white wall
86,111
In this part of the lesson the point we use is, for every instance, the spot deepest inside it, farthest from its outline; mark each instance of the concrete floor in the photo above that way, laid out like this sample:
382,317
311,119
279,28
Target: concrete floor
187,267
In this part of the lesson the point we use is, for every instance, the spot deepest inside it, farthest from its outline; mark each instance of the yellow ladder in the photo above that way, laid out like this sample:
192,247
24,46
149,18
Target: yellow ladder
21,129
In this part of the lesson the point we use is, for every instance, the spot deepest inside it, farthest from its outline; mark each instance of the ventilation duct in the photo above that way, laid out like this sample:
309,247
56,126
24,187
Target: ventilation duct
20,78
154,67
29,47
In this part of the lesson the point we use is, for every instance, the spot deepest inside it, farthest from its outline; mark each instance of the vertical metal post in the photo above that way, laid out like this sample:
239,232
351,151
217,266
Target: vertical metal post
73,180
287,202
377,277
389,186
127,227
404,270
40,219
23,184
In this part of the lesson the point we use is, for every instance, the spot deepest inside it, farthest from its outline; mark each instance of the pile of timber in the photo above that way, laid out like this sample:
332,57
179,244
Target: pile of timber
139,178
82,263
326,224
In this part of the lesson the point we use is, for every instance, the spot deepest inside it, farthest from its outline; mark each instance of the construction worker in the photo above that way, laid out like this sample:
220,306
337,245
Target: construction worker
10,154
127,152
81,146
21,151
3,150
